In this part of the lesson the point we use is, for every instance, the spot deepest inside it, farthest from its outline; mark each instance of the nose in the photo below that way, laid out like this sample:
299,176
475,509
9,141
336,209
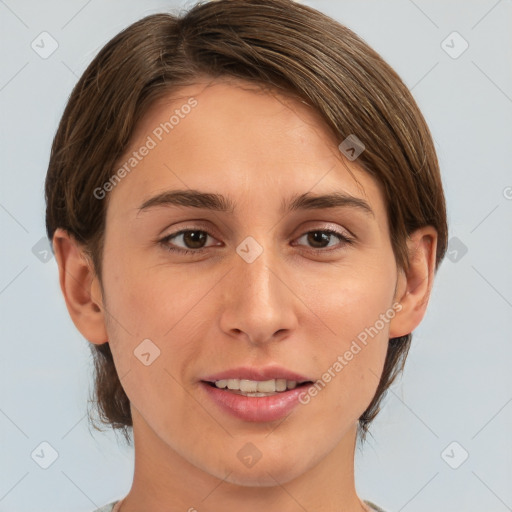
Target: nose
258,303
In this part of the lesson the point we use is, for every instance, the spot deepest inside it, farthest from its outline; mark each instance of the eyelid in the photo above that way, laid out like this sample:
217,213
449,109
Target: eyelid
327,226
164,240
345,238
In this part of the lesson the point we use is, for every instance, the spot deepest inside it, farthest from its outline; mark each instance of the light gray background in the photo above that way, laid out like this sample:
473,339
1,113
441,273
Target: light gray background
457,382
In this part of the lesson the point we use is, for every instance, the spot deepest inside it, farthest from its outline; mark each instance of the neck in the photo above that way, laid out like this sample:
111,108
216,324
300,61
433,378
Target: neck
164,480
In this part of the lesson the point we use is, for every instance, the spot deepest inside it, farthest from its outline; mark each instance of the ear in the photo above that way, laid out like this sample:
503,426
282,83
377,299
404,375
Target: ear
80,287
414,286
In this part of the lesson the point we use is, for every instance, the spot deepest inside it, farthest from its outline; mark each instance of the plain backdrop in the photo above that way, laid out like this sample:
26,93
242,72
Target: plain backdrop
442,441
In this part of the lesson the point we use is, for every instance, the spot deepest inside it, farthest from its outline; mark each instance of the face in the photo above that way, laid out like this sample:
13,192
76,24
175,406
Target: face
266,278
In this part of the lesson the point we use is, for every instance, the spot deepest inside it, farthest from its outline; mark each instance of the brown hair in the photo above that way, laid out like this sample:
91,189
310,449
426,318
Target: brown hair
276,43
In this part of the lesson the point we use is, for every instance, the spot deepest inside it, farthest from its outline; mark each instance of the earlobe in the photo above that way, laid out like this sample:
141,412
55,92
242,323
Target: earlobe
80,287
415,285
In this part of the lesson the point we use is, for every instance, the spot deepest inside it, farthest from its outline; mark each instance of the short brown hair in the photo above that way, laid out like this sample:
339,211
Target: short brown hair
276,43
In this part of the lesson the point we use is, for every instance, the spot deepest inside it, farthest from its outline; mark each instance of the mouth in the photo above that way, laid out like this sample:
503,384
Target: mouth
256,388
255,401
256,394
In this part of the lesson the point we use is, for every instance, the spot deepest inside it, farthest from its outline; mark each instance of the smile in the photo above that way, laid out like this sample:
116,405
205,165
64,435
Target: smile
255,401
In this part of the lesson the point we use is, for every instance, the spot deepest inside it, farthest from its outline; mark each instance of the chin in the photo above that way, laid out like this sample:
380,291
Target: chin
261,478
264,473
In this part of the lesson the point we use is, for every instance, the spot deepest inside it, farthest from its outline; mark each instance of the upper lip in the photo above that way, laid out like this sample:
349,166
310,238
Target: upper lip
261,373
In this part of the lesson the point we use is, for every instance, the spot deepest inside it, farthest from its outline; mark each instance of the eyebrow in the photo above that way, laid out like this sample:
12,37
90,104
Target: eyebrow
217,202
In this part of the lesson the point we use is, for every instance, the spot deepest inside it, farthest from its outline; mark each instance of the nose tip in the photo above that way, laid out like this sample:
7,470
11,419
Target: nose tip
256,303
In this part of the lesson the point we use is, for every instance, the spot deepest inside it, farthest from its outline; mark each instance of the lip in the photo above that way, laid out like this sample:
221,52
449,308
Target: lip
255,409
255,373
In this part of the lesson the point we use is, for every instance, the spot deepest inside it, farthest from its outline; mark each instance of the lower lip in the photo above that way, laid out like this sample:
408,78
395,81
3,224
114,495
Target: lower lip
257,408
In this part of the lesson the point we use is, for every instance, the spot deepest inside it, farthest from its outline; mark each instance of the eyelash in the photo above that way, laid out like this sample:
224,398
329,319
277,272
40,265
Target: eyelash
164,241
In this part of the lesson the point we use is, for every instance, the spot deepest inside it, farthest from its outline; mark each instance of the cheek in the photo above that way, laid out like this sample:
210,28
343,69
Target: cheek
357,311
353,301
149,301
164,305
152,312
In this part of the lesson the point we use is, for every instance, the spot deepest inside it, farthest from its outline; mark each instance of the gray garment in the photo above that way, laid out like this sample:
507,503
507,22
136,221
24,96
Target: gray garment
106,508
110,506
373,506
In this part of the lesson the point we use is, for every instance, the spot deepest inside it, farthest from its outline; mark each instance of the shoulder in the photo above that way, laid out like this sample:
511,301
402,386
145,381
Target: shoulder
373,506
106,508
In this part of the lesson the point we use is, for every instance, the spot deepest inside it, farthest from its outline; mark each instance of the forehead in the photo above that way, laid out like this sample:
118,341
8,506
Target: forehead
235,138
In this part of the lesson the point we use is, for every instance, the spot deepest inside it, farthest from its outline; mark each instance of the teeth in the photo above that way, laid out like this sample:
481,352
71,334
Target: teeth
281,384
233,384
256,386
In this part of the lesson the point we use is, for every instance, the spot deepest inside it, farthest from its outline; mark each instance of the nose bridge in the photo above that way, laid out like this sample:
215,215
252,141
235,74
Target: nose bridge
258,278
257,302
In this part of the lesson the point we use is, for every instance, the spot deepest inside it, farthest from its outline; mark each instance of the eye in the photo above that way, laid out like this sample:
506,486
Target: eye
193,241
187,241
322,238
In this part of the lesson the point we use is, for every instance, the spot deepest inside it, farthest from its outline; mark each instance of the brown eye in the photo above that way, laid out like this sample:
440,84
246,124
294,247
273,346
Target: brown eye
320,239
194,239
187,241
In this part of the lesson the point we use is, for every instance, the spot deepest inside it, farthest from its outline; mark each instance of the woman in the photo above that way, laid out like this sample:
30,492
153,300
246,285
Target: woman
247,213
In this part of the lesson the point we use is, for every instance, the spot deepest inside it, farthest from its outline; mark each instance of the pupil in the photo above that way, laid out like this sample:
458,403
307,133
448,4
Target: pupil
194,239
318,237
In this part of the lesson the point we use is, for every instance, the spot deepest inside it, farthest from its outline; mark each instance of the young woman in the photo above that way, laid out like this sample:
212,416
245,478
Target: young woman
247,213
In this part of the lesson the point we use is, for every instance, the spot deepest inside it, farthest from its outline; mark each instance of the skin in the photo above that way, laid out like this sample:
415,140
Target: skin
293,306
